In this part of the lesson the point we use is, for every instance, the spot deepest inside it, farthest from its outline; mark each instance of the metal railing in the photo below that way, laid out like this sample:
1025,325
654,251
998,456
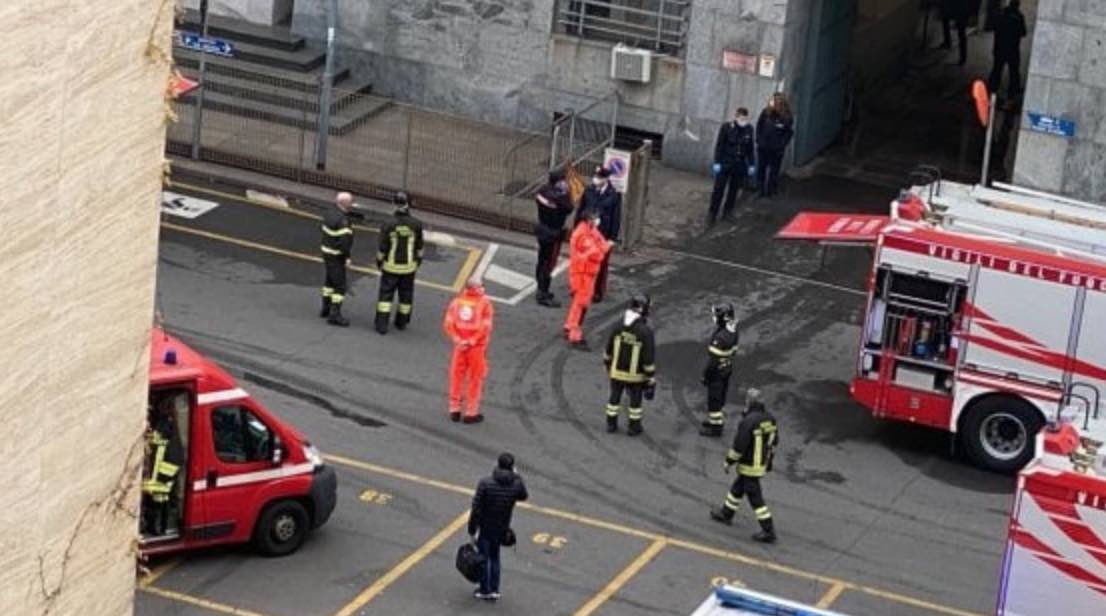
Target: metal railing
659,25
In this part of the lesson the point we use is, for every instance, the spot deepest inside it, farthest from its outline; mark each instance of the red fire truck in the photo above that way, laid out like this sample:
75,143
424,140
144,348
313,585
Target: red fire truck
985,316
219,467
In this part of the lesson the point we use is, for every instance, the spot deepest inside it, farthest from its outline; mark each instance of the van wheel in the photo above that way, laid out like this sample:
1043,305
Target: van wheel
281,528
999,433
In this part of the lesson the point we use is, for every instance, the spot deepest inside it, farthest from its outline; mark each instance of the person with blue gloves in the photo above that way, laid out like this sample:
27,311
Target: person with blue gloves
733,156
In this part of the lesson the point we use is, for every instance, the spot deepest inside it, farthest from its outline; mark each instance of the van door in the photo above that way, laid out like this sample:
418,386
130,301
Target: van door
239,462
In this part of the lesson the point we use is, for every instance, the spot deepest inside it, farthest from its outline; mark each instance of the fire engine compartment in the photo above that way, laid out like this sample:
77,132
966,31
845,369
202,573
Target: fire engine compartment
909,330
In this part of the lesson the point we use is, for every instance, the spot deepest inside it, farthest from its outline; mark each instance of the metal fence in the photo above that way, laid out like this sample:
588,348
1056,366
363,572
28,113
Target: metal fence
659,25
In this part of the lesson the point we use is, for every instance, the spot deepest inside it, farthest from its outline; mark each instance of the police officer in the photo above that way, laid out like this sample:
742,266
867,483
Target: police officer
337,243
554,205
716,374
734,154
398,258
629,361
752,451
604,198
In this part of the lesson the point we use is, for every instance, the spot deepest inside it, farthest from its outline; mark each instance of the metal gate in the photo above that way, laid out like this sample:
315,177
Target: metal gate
825,77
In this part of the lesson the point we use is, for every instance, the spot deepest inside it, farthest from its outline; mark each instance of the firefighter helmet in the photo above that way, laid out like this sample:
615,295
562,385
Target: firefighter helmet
402,202
724,314
640,303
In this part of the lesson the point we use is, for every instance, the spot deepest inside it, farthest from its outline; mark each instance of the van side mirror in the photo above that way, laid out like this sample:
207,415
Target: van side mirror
278,450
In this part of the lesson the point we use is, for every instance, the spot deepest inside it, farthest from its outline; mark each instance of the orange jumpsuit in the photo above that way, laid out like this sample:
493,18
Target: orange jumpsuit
468,323
587,248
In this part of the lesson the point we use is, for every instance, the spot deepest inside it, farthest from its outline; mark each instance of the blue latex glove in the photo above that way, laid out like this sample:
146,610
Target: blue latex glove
752,170
715,169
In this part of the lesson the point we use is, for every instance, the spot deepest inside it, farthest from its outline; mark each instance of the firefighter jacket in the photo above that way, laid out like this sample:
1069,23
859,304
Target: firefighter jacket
588,248
608,202
720,354
161,473
629,354
468,319
400,250
554,206
735,145
337,233
754,443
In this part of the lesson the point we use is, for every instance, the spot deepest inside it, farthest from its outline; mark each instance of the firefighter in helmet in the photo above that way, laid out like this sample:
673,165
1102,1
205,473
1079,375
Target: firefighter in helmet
753,447
629,361
398,258
163,460
716,374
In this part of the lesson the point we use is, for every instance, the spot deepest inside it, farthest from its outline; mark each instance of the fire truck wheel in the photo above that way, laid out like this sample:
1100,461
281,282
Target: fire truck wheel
998,433
281,528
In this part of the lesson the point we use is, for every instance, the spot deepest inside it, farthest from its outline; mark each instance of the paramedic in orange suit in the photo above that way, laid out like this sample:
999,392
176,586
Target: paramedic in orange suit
468,323
588,249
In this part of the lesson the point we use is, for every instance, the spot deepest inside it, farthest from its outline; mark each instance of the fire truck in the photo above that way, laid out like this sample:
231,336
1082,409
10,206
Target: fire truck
219,467
985,313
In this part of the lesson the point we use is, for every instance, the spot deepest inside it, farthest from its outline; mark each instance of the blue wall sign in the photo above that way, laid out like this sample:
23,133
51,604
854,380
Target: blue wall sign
195,42
1051,125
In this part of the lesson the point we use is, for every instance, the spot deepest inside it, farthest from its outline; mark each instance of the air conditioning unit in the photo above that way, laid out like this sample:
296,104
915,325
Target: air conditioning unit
630,64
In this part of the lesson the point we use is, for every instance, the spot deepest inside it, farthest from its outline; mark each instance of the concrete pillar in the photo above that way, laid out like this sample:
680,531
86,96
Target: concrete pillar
83,125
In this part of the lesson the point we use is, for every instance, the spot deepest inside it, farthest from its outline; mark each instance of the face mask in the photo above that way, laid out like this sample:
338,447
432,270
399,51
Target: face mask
742,122
597,182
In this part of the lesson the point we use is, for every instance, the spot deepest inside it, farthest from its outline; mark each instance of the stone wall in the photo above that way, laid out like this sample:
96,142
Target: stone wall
80,166
1067,78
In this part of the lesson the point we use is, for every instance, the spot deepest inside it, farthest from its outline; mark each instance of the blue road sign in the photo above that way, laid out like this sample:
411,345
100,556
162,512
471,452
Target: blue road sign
1051,125
195,42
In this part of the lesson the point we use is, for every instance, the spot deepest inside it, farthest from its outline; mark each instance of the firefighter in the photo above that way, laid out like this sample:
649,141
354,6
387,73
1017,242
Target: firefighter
753,447
629,362
554,205
468,323
604,198
716,374
588,249
337,243
163,466
398,258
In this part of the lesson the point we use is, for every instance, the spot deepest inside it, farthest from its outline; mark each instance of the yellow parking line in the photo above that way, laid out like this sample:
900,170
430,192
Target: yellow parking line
214,606
831,595
156,573
623,577
286,253
466,269
676,543
404,566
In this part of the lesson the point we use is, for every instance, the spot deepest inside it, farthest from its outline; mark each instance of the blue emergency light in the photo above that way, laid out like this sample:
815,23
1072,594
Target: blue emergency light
170,357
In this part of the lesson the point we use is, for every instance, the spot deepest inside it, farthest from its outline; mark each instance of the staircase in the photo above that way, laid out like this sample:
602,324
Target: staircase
273,77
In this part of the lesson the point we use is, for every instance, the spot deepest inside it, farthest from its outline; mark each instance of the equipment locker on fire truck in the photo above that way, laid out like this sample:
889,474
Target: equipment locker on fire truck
986,314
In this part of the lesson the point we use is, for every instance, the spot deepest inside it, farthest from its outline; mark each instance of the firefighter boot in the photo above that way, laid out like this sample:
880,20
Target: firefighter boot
767,532
335,317
325,311
402,319
722,515
634,428
381,323
612,423
710,429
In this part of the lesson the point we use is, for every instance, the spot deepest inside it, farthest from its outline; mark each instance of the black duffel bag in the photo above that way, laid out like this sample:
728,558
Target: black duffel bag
471,563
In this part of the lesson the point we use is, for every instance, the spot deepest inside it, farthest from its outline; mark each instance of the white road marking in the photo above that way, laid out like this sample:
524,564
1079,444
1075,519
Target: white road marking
486,260
266,198
439,238
183,206
507,278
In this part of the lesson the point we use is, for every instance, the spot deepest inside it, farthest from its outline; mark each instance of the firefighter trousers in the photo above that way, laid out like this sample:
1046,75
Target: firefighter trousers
748,487
467,368
582,287
716,400
334,285
390,285
633,390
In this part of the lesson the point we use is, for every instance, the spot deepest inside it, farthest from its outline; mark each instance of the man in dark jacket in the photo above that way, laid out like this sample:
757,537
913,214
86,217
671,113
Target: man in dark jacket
753,447
1009,31
733,155
775,128
956,12
554,205
604,198
492,506
337,242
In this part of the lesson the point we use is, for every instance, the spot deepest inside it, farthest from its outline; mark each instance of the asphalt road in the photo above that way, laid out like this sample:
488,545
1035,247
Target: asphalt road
873,518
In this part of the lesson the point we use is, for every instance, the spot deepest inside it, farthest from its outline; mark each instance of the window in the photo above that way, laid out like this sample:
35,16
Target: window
659,25
240,436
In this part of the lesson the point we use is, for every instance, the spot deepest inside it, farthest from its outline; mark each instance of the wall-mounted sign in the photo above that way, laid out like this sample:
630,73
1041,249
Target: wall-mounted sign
767,65
739,62
1051,125
195,42
618,163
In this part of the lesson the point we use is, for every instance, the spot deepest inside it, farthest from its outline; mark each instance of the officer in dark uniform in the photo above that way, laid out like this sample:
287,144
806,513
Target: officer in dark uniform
604,198
554,205
398,257
336,246
716,374
629,361
752,451
734,153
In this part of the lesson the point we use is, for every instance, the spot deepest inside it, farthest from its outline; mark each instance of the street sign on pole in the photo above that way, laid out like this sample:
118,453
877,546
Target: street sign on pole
204,44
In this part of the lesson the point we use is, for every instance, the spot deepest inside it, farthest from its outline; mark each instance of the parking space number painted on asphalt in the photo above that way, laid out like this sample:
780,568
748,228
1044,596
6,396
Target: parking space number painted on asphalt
551,542
719,581
375,497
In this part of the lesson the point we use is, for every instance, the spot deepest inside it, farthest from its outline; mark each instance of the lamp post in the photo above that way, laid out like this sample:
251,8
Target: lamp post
198,114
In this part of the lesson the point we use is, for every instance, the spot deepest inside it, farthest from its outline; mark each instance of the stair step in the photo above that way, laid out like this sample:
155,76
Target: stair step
304,59
237,30
279,94
353,114
295,80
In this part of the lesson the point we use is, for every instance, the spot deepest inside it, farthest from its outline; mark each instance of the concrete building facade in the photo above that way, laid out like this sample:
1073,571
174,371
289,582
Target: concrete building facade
83,124
1067,81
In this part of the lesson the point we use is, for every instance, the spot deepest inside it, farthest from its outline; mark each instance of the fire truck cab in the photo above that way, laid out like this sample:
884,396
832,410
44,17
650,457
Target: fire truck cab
219,467
985,316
